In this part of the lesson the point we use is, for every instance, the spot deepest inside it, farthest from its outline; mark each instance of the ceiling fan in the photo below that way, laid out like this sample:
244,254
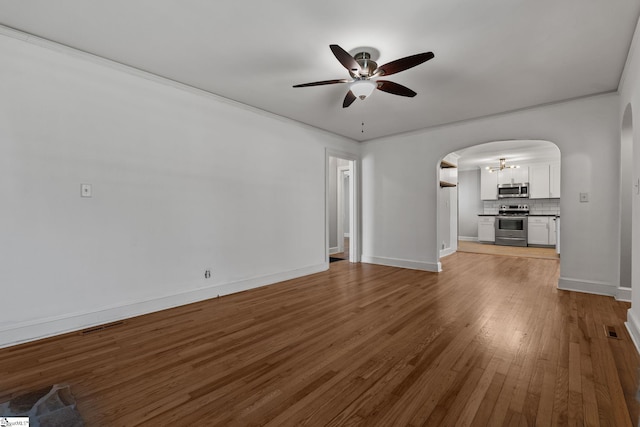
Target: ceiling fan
363,70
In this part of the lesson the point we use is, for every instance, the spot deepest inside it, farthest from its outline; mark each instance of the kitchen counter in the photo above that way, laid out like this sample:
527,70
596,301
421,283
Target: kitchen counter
551,215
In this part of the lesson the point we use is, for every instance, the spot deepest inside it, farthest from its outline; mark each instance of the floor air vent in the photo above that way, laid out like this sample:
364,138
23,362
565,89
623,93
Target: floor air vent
100,328
611,332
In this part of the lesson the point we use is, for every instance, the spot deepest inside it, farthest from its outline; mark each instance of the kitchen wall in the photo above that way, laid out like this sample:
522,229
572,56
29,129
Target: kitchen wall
469,205
182,181
536,206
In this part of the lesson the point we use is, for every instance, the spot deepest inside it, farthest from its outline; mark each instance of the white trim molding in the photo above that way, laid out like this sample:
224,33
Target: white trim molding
403,263
620,293
23,332
355,227
633,326
447,252
592,287
587,286
468,238
623,294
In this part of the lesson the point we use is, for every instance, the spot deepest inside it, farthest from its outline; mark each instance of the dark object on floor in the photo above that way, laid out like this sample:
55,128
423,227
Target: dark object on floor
52,406
332,259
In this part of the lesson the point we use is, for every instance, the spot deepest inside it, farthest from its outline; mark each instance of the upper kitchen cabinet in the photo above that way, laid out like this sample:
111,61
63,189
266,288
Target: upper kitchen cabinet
544,181
488,185
513,175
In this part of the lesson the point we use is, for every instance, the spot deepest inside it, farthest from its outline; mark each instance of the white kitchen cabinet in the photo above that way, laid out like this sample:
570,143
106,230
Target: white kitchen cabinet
486,229
488,185
557,235
520,175
538,230
553,230
504,176
544,181
513,176
554,180
539,181
542,230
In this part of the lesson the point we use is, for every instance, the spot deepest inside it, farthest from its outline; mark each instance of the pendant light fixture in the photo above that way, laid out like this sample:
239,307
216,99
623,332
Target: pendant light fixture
503,165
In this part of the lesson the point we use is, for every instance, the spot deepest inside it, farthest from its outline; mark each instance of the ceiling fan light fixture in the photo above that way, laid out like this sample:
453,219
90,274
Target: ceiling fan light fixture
362,88
362,69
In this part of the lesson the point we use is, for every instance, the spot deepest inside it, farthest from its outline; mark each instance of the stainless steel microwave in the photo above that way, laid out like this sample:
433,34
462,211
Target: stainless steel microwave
507,191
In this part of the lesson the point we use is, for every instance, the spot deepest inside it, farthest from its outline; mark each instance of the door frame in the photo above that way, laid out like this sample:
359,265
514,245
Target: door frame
343,171
355,219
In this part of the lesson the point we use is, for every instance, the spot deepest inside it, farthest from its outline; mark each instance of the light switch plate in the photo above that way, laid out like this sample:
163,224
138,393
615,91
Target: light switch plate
85,190
584,197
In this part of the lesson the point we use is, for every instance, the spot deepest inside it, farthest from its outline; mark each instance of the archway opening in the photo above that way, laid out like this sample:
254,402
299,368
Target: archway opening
533,163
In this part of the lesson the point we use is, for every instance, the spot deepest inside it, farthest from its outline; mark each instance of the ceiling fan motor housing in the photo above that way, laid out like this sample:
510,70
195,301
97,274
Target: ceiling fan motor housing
367,65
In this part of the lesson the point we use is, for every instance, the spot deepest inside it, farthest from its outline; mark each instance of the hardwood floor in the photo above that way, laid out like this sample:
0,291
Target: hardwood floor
487,248
489,341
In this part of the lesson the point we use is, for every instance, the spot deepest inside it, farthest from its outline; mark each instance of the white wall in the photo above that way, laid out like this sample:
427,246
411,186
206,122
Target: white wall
630,96
469,205
182,181
400,199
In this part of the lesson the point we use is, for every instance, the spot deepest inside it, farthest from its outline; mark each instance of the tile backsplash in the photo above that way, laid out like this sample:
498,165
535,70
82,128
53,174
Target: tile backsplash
536,206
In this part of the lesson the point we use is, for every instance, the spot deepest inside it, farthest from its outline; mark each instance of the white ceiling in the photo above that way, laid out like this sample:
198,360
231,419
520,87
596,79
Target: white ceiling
491,56
515,153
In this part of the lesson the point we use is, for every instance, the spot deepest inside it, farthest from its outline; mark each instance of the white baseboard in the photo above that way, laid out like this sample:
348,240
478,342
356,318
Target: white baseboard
447,252
623,294
46,327
346,235
468,239
587,286
592,287
335,250
633,326
403,263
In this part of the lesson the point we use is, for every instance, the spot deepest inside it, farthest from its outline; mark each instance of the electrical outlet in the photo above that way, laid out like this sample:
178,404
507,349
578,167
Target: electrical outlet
207,274
584,197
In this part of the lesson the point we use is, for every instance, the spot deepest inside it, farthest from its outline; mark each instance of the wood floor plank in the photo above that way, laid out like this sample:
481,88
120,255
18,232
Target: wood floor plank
488,341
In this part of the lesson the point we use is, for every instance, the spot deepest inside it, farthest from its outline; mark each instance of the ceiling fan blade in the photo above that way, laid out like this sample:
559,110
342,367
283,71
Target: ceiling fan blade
345,59
348,100
324,82
403,64
395,88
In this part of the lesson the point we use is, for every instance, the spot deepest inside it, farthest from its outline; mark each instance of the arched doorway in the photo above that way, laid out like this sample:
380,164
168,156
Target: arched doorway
539,157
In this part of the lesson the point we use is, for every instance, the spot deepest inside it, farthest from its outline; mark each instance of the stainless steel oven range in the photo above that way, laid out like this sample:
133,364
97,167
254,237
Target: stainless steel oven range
511,225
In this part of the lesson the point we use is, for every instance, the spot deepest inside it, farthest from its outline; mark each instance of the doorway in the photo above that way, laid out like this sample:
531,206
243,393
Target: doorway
343,212
479,174
342,208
